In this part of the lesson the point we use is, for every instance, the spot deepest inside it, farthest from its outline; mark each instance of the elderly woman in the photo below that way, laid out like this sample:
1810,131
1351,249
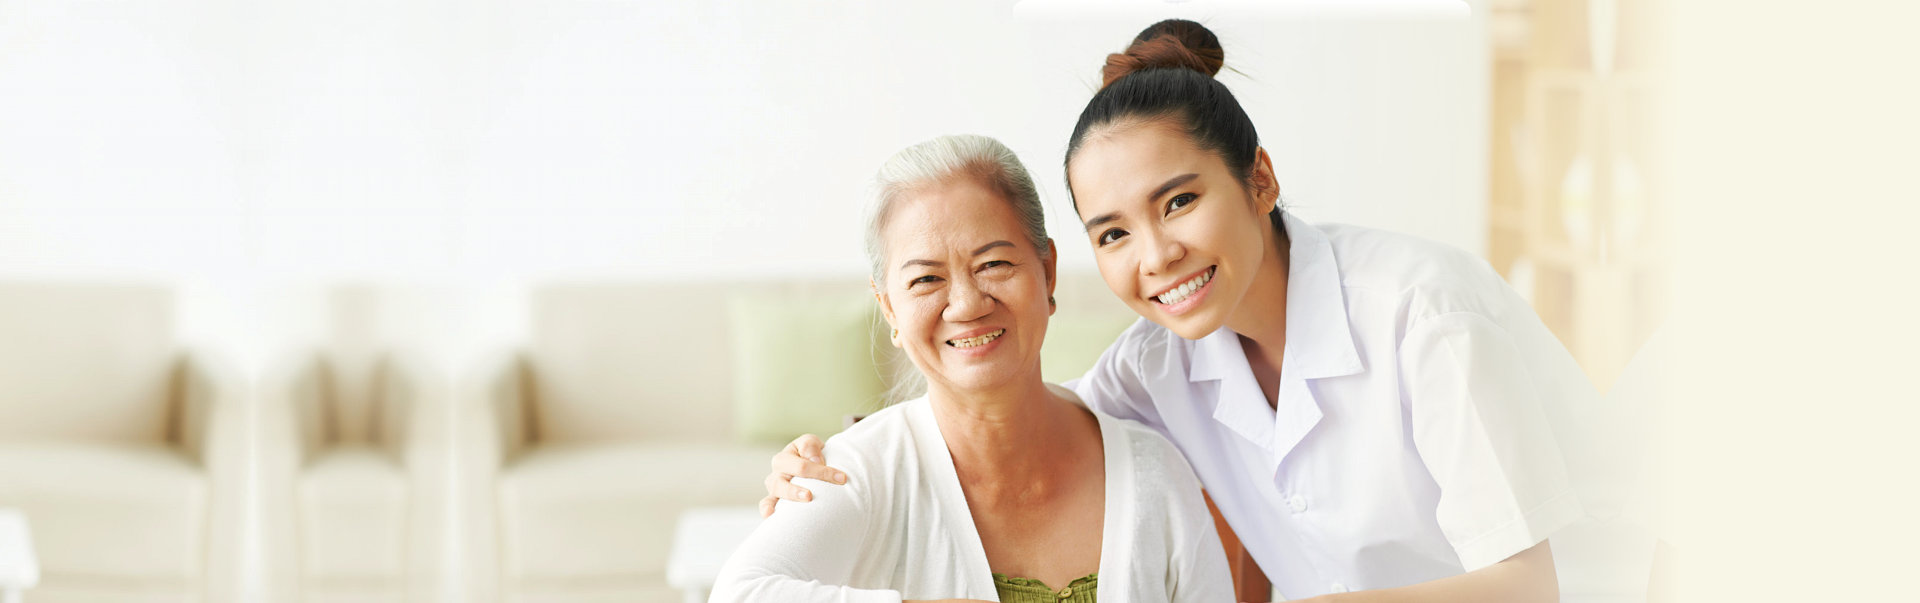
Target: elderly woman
992,485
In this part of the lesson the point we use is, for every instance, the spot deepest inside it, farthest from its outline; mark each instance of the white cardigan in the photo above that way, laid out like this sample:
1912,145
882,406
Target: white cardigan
900,527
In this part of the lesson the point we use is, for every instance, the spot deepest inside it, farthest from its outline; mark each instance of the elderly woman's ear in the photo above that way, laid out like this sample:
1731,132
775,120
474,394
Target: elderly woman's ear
886,311
1052,261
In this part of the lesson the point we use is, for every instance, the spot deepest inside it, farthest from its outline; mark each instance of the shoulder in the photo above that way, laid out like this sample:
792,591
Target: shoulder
1429,277
1152,455
1146,341
878,441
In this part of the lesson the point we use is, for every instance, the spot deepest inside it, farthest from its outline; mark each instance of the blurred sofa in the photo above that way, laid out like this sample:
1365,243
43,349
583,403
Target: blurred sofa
355,450
119,446
362,503
630,402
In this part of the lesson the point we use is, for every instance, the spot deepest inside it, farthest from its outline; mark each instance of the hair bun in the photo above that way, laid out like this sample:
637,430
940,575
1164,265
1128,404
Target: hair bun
1173,43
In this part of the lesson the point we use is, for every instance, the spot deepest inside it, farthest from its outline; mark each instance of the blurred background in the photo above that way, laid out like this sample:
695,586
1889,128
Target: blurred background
494,300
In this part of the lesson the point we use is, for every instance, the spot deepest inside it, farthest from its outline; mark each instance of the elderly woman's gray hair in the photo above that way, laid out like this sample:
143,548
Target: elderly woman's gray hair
936,161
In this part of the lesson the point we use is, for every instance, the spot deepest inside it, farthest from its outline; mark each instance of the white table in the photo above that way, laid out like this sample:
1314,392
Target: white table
18,569
702,542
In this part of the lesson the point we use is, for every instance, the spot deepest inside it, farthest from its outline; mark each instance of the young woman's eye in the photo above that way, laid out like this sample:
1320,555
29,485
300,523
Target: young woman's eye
1111,235
1179,201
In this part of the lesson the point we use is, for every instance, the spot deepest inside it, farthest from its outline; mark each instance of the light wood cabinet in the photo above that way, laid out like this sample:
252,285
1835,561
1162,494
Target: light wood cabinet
1575,221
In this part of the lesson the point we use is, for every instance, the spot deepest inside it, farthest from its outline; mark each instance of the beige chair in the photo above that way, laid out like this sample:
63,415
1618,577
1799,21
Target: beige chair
120,447
361,506
615,417
352,450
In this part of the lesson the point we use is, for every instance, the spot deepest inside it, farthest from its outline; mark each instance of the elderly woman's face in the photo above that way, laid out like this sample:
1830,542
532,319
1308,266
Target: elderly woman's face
965,287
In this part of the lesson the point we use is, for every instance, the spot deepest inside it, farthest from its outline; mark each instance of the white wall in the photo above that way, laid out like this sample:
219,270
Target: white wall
248,150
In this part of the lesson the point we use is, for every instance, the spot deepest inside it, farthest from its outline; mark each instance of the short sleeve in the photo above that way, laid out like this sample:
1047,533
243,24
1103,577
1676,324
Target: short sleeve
804,550
1477,421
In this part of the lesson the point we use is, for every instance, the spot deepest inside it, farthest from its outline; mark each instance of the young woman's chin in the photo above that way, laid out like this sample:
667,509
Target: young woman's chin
1189,327
1193,322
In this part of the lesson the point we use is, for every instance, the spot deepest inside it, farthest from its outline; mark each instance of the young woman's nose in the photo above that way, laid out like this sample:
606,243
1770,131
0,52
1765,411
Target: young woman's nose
966,301
1160,252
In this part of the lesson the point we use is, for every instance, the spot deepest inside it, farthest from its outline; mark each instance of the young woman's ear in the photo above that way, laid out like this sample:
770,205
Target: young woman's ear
886,311
1261,181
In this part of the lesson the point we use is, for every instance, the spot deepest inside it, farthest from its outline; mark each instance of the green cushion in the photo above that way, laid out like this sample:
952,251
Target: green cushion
1076,339
802,364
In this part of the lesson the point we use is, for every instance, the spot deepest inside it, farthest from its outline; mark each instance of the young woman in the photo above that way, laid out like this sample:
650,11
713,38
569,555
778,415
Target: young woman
1364,408
993,485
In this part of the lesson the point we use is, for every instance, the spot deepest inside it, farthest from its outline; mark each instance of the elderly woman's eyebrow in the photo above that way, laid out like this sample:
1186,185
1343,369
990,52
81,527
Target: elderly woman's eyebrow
936,263
989,247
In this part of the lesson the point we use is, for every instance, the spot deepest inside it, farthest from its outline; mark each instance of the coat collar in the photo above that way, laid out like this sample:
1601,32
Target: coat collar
1319,345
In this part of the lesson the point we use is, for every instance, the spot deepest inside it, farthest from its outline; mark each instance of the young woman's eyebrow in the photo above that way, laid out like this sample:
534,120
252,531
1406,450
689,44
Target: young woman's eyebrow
1162,191
1102,219
1168,186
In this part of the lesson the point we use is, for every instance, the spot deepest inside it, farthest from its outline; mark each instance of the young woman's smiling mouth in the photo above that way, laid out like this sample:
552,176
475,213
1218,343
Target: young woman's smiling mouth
1184,296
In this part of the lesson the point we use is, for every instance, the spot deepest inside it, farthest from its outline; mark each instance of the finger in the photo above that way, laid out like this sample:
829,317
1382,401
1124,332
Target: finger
766,506
803,458
820,472
777,485
810,448
789,462
798,494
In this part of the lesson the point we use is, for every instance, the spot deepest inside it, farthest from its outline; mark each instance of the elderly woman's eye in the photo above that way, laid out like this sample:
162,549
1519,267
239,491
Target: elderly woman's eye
1111,235
1179,201
923,280
996,264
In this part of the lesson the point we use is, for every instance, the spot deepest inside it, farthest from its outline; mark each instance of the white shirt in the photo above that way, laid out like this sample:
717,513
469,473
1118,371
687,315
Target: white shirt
900,528
1409,441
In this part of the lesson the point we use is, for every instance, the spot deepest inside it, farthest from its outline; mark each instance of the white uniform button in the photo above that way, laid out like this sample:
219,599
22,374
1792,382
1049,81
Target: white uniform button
1297,503
1337,588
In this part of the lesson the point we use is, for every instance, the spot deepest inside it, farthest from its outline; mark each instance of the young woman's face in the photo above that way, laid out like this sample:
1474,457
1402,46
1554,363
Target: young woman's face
965,288
1176,236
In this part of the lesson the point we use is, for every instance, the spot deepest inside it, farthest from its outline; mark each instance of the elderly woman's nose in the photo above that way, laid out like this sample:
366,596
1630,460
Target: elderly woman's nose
967,301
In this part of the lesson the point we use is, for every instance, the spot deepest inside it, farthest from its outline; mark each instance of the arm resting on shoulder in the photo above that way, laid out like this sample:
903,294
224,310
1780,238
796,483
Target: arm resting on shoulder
1526,577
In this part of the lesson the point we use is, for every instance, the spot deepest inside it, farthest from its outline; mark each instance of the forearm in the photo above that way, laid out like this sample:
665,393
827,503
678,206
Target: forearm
755,584
1526,577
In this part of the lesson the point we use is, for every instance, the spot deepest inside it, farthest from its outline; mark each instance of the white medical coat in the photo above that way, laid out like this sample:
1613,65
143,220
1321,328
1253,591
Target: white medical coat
1409,440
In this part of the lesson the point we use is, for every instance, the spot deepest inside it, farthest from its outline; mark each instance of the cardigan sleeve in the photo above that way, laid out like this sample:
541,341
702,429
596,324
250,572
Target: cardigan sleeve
1196,563
805,550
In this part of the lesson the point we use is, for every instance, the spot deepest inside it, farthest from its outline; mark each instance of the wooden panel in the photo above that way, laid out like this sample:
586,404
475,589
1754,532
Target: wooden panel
1249,583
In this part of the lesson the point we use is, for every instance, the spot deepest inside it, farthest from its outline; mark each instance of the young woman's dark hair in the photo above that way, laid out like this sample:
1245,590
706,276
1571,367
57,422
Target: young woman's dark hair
1167,73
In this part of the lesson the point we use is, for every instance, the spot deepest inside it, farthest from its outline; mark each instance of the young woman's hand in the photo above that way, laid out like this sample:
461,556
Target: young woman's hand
801,458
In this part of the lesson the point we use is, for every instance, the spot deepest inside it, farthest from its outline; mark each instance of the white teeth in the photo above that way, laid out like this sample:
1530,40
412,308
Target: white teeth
1180,293
974,342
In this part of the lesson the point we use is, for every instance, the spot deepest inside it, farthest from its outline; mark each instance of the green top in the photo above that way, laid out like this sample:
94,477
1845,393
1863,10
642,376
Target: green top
1028,590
